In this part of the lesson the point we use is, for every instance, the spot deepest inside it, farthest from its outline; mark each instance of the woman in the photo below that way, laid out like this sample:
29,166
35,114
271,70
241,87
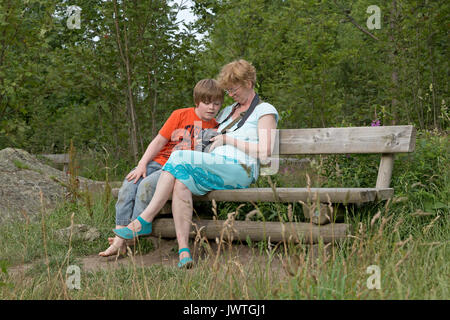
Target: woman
232,162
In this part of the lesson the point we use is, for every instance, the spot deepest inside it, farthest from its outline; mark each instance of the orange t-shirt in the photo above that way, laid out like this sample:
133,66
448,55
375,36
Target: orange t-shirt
182,128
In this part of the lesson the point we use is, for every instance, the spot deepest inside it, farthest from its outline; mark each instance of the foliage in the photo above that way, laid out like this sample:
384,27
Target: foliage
423,176
82,84
112,83
324,71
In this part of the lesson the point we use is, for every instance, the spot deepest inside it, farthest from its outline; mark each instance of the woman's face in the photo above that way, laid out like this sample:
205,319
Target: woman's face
240,92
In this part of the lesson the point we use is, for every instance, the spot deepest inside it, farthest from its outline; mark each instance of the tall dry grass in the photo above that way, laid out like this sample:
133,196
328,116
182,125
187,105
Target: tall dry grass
406,238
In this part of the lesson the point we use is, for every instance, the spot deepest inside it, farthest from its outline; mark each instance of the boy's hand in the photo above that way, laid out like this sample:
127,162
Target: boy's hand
136,174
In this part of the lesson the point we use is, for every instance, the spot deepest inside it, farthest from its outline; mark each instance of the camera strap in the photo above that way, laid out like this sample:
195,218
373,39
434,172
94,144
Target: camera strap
233,108
256,101
232,123
243,116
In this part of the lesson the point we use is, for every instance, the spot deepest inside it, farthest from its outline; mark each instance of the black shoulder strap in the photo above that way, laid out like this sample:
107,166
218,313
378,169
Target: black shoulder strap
233,107
249,111
244,116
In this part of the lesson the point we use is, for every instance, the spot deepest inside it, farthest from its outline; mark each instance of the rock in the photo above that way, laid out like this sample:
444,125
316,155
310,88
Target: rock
92,234
28,186
79,232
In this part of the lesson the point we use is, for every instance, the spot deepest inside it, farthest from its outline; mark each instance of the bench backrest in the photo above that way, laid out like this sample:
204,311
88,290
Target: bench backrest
386,140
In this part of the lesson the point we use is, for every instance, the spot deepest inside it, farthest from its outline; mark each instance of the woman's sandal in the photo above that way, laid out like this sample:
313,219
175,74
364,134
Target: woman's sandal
128,234
187,262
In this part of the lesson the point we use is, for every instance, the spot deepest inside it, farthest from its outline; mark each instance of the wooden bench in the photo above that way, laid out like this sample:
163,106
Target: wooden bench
62,158
383,140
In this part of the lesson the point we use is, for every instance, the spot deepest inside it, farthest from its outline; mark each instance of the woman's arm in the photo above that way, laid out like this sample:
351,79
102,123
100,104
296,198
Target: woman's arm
266,139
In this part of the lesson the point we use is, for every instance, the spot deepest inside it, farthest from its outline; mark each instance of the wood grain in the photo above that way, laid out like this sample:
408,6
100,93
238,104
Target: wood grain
333,195
385,139
256,230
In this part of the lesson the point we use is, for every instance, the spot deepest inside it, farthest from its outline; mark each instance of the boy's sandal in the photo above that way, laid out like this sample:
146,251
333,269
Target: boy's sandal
185,263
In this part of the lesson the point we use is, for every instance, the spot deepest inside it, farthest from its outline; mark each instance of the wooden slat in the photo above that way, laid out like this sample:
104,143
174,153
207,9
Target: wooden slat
385,139
256,230
337,195
57,158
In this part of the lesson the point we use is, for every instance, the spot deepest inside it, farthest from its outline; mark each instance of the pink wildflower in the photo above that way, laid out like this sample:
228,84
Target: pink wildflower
375,123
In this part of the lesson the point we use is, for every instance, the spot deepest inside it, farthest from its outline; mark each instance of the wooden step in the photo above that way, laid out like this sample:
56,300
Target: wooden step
231,230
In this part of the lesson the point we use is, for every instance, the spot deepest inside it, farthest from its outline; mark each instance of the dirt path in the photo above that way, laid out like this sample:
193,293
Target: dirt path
165,254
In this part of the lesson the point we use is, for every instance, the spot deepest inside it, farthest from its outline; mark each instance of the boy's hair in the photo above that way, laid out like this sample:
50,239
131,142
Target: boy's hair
208,90
237,72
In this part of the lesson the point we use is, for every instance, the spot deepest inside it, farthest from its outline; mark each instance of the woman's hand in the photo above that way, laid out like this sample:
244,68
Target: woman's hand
218,141
136,174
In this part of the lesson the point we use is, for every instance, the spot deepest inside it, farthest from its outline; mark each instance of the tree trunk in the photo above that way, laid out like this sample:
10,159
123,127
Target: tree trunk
134,139
130,103
393,62
115,129
433,86
155,96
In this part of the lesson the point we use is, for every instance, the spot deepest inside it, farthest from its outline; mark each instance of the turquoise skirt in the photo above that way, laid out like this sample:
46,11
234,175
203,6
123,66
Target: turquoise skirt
203,172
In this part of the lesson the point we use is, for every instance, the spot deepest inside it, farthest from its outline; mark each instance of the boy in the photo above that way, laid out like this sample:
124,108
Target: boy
178,133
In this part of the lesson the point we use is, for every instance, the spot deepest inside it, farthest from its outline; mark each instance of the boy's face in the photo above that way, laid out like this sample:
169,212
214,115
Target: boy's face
207,111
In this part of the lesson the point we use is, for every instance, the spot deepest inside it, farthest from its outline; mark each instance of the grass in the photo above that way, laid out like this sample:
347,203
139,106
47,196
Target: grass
413,263
21,165
407,238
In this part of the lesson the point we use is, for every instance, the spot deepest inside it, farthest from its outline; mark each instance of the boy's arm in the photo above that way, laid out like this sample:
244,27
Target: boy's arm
152,150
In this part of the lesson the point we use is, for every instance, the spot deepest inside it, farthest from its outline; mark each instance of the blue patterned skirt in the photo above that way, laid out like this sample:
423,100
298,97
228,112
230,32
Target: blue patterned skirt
203,172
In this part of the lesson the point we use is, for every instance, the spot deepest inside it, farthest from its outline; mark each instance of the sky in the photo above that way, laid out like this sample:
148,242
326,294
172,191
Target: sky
185,14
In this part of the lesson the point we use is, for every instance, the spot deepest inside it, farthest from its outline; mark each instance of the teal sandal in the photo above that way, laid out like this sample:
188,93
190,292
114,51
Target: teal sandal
128,234
185,262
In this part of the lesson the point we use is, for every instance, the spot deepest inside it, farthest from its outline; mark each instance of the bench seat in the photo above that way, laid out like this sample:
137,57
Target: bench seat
325,195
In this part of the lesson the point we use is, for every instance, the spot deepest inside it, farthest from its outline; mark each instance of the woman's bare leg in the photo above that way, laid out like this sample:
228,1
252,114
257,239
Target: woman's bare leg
182,208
